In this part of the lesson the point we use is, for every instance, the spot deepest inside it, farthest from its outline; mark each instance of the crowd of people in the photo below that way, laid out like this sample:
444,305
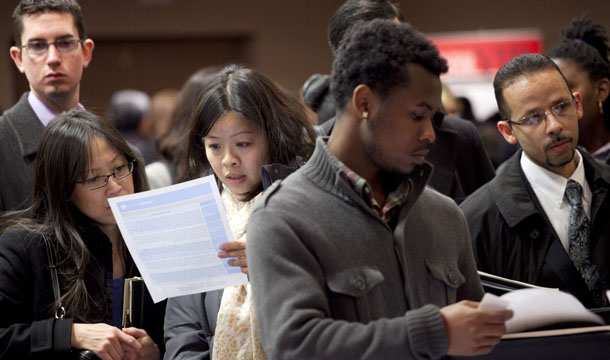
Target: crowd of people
364,232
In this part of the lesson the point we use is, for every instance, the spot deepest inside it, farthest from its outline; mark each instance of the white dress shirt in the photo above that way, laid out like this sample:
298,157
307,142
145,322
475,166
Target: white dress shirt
550,189
44,113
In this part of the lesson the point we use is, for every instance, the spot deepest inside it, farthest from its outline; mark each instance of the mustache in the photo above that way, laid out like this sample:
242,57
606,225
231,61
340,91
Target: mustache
556,139
425,146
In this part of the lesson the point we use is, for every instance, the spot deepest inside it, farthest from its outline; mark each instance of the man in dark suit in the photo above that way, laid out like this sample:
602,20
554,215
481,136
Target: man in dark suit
461,164
544,218
51,49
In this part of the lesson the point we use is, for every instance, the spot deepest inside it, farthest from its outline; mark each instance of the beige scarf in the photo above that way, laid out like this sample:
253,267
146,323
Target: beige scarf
236,334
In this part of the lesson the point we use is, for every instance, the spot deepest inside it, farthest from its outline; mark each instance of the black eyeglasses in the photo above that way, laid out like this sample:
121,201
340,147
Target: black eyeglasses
120,172
562,110
39,48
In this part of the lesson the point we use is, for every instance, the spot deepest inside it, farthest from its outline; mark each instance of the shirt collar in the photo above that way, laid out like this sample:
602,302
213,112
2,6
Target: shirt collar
394,200
42,111
549,184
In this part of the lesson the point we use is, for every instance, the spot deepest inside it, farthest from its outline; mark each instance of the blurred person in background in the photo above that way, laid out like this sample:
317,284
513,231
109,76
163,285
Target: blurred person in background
162,105
173,138
129,111
317,97
582,55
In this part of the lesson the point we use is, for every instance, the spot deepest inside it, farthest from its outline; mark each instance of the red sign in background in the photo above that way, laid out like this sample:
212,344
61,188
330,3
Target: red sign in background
481,54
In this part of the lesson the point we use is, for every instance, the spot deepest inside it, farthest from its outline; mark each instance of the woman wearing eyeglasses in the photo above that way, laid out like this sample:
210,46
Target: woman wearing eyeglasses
62,260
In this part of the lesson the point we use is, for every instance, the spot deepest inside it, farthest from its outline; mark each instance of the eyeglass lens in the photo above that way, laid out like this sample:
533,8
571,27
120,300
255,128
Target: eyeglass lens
41,47
119,173
559,110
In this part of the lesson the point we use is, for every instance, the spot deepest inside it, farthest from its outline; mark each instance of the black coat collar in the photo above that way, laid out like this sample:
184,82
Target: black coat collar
511,190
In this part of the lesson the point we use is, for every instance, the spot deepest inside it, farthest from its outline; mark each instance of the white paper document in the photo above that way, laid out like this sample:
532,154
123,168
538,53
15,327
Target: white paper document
491,302
535,308
174,234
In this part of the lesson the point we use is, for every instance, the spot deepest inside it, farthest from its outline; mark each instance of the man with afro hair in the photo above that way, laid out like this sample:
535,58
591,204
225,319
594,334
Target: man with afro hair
353,256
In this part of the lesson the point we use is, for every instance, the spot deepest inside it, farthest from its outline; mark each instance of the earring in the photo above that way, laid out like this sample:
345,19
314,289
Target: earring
601,107
365,115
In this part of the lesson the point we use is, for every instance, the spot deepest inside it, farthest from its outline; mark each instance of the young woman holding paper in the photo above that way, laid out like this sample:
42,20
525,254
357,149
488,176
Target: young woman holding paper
243,129
61,257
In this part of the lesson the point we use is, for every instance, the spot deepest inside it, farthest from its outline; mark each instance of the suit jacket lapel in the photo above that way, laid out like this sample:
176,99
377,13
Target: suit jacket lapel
26,125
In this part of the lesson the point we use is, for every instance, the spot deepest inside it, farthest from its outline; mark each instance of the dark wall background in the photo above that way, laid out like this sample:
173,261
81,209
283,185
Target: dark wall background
155,44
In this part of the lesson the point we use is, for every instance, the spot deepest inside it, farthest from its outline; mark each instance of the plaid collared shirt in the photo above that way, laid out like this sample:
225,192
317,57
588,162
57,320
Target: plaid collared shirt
393,200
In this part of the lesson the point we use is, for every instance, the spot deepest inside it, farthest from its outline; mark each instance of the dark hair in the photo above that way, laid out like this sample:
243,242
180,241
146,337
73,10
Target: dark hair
127,108
377,54
248,93
61,162
317,96
586,44
32,7
518,66
353,11
172,144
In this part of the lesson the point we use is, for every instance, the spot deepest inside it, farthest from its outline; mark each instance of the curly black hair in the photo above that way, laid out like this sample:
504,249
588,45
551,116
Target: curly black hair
586,44
376,54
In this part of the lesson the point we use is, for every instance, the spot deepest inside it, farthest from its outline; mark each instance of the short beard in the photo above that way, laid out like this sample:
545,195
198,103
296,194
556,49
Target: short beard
555,165
372,149
556,139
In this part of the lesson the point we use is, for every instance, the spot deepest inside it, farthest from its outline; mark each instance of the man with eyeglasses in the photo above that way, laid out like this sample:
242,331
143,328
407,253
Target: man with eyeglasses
51,49
544,218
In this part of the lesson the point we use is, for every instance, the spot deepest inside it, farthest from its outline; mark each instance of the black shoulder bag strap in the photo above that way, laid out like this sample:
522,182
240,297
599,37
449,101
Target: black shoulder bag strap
60,311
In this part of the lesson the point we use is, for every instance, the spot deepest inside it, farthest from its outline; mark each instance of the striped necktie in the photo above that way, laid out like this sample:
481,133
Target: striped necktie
579,229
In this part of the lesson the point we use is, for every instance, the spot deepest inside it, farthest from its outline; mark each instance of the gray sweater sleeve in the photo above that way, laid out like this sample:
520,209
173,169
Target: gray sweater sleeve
293,314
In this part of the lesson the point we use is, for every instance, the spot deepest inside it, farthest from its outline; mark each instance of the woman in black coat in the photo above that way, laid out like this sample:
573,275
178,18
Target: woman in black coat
82,161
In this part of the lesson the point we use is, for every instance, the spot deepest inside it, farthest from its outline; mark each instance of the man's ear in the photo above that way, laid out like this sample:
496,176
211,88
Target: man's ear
602,89
578,104
17,56
507,132
362,99
88,46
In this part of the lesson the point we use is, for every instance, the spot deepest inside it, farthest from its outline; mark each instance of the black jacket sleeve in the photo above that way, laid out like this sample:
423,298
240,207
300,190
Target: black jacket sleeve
27,328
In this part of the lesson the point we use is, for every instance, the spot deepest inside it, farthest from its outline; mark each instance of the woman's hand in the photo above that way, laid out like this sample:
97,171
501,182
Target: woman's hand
236,250
107,342
149,350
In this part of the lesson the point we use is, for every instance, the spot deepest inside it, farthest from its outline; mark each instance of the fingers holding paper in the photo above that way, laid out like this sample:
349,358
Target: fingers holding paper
237,251
471,331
